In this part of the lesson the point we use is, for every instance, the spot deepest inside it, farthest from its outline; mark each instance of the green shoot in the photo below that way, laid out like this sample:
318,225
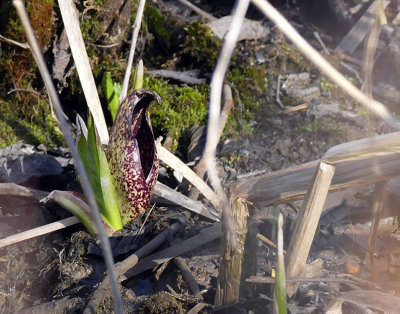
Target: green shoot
111,91
280,280
96,165
139,72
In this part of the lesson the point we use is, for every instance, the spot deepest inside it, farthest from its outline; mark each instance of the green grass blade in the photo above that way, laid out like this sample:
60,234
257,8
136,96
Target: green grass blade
111,91
87,149
280,280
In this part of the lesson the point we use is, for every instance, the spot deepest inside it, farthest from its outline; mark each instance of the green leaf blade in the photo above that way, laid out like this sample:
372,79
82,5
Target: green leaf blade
111,210
111,91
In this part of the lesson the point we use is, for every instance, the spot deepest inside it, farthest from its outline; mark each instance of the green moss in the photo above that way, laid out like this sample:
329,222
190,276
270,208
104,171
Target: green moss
202,46
285,55
24,116
320,125
90,26
327,85
15,127
181,107
235,160
156,23
251,86
185,106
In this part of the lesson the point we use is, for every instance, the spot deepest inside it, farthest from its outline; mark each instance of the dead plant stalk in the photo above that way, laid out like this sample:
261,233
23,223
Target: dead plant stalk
135,34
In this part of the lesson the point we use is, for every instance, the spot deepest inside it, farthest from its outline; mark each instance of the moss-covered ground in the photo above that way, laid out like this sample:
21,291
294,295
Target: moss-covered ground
26,116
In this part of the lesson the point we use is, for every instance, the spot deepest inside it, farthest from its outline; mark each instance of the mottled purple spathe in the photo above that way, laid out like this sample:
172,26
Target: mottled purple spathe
132,154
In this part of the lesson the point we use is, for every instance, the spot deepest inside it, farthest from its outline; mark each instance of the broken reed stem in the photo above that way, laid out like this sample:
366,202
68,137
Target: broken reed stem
81,59
368,61
64,127
269,280
324,66
307,222
232,254
135,34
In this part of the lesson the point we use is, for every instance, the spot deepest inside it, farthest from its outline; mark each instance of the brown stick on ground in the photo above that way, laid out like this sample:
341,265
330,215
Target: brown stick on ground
187,274
307,222
200,168
199,11
12,189
122,267
207,235
35,232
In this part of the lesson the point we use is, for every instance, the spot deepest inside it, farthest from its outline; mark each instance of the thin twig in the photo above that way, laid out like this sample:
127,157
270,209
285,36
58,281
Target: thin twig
135,34
187,274
104,46
10,41
144,222
197,308
197,207
215,106
71,145
16,90
277,96
319,39
35,232
268,241
324,66
296,108
12,189
352,70
175,163
199,11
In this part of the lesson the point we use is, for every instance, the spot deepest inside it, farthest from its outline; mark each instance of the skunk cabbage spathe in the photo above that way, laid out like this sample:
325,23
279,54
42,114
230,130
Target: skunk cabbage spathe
132,154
